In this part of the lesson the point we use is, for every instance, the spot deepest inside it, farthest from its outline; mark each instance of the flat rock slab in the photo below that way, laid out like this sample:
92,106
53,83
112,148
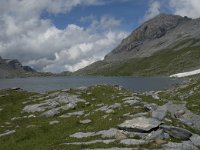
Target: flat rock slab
159,113
91,142
103,133
140,124
188,117
133,142
185,145
178,133
81,135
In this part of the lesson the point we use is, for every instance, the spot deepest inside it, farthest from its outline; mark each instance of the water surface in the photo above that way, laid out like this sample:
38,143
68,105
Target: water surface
42,84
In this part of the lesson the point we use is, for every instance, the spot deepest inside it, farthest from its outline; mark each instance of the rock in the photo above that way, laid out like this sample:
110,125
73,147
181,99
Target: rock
31,116
131,98
159,114
136,135
7,133
68,106
132,102
185,145
160,142
79,113
108,133
85,121
178,133
16,88
90,142
133,142
81,135
195,139
151,106
154,135
53,122
113,148
179,113
120,135
114,106
51,113
140,124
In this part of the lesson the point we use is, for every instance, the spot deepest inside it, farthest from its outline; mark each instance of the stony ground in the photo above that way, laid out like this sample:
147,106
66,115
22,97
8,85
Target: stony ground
101,117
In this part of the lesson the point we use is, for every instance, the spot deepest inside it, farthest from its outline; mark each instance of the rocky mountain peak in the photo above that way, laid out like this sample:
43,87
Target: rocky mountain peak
150,30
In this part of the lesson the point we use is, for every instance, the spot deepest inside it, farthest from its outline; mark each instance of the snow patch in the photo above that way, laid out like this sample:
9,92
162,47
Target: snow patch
185,74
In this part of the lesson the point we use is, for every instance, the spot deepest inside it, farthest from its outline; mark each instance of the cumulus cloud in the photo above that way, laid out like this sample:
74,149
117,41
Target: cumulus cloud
190,8
153,10
37,42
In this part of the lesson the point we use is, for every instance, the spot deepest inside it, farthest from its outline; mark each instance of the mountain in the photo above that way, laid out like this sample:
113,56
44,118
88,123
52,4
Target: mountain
164,45
13,68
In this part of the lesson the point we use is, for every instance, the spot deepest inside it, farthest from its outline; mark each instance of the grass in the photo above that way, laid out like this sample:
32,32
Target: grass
36,133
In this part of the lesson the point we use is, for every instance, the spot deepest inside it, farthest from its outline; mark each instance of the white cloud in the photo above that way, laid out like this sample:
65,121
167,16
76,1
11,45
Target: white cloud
190,8
153,10
106,22
38,43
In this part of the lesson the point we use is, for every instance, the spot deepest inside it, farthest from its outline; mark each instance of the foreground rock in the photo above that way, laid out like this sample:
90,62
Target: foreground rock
177,133
140,124
185,145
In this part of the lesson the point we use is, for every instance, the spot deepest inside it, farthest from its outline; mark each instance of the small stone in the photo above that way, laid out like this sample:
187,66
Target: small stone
151,106
85,121
160,142
53,122
179,113
120,135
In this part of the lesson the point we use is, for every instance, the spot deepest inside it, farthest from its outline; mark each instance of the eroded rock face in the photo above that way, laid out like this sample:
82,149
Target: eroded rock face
178,133
140,124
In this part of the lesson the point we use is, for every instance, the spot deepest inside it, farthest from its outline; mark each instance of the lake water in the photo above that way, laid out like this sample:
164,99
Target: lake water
42,84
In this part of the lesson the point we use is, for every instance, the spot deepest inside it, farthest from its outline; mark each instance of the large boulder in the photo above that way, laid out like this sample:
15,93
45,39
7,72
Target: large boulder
140,124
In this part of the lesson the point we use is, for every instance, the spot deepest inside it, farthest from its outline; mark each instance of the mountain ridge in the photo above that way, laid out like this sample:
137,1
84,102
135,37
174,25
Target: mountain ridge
165,35
13,68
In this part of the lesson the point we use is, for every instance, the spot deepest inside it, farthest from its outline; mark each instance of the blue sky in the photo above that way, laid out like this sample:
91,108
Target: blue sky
66,35
130,13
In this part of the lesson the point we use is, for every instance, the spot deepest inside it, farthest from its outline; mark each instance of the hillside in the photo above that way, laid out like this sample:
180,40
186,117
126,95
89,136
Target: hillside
13,68
164,45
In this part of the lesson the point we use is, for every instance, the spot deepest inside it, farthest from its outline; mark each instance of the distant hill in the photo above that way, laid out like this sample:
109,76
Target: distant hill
164,45
13,68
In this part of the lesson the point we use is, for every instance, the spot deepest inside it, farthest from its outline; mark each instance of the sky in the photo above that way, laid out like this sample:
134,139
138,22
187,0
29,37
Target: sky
66,35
